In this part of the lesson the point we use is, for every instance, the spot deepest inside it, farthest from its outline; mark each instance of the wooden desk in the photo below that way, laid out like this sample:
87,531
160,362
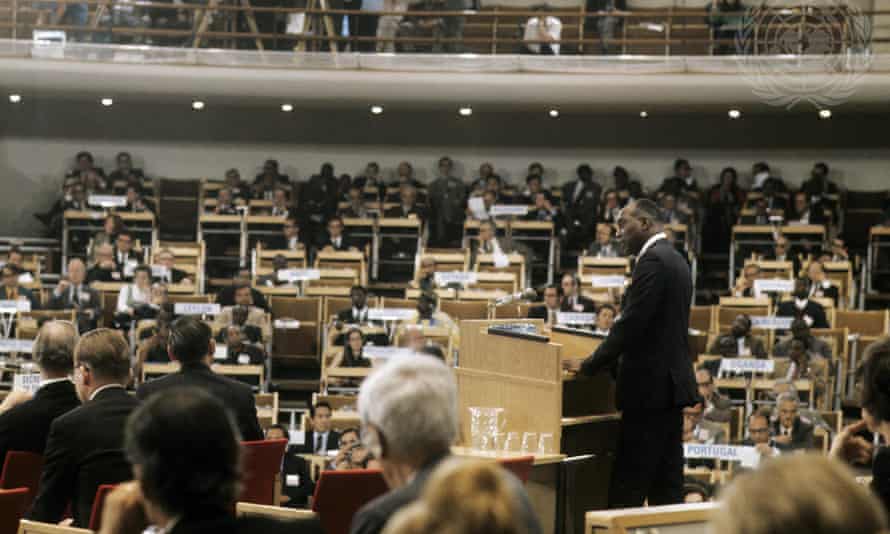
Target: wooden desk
235,371
673,519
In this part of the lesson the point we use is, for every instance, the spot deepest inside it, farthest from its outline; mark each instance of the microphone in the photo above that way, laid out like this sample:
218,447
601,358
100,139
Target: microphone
527,293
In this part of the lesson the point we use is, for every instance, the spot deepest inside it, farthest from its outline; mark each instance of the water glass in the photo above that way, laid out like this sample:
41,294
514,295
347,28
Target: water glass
545,443
529,439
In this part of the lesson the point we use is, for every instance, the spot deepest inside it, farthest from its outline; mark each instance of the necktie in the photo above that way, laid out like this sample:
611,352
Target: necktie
318,443
76,299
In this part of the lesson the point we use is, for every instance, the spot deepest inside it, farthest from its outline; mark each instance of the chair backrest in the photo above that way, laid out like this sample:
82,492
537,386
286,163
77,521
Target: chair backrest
262,464
35,527
520,466
701,318
12,508
22,469
96,515
340,494
866,323
109,467
463,310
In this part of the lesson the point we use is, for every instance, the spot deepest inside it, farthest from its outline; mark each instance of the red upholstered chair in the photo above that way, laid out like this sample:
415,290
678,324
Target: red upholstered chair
22,470
12,508
96,514
340,494
262,467
521,466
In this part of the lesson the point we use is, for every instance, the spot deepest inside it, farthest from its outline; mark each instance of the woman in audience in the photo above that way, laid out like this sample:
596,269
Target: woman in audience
873,380
798,494
133,296
352,351
466,497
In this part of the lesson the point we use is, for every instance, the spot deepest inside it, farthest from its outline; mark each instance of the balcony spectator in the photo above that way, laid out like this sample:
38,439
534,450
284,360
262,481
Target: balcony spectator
726,18
610,208
238,187
408,207
762,176
111,227
606,22
723,209
542,34
388,25
281,206
681,183
136,202
104,269
671,212
356,208
125,175
319,199
804,212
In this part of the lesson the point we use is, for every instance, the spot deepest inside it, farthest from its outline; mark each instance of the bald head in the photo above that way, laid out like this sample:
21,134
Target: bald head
637,222
54,348
77,271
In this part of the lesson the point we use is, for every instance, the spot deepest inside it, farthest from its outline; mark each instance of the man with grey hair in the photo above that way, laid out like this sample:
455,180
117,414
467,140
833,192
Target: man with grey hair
25,418
408,411
791,432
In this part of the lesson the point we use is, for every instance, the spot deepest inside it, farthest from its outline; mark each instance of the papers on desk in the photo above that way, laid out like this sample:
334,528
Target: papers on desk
748,456
195,308
501,260
477,208
296,437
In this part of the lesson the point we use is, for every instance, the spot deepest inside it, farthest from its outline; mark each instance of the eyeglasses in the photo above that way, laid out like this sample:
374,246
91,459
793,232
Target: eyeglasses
708,383
758,430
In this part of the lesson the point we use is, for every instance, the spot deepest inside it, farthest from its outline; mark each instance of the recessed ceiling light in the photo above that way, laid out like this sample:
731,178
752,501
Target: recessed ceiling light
554,113
734,114
644,114
824,113
465,111
107,102
287,108
15,98
197,105
376,110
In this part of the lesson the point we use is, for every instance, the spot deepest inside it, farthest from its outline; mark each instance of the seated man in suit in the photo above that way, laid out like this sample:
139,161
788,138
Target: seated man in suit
426,281
105,269
125,258
791,431
279,263
73,293
24,418
11,290
296,475
802,307
280,203
85,446
290,235
739,342
407,207
700,431
336,239
191,344
356,204
487,242
358,312
542,209
605,245
800,330
782,252
321,438
744,284
239,351
572,299
172,275
186,461
243,313
760,434
226,296
820,285
550,307
605,318
717,407
16,258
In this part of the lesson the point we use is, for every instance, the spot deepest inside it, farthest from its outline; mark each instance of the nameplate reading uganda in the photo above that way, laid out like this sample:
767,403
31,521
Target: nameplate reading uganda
575,318
771,322
391,314
609,280
13,306
107,201
773,286
518,210
195,308
296,275
454,277
746,365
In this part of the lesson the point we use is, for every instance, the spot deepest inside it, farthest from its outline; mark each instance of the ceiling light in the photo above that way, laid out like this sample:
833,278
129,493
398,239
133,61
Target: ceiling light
15,98
287,108
107,102
734,114
465,111
376,110
824,113
554,113
197,105
644,114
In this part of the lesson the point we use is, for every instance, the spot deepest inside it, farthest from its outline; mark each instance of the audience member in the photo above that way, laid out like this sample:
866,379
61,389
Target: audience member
321,438
353,454
605,245
355,207
290,235
724,201
188,484
296,477
244,313
488,243
171,275
408,411
426,280
762,179
550,307
226,296
25,419
781,251
154,340
744,284
353,353
336,240
580,205
802,307
543,210
804,212
800,330
191,344
73,293
111,227
370,178
407,207
318,199
739,342
225,203
759,434
105,269
820,284
136,201
697,430
681,183
358,312
791,431
447,200
717,407
124,256
798,494
132,297
818,184
611,208
239,189
11,290
696,491
85,445
542,34
605,318
726,18
238,351
270,172
671,213
280,203
572,299
125,175
16,258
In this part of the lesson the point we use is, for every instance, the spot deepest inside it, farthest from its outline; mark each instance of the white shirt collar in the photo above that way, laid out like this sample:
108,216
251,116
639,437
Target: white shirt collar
49,381
103,388
651,241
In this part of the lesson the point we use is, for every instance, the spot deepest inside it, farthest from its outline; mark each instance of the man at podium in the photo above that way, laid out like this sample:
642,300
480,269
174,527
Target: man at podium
655,377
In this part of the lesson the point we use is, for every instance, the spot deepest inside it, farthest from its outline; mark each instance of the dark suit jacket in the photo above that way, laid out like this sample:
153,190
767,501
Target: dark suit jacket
400,213
84,450
652,335
176,276
22,292
98,274
830,292
236,396
294,464
26,426
226,297
589,305
347,317
90,299
814,310
581,214
308,446
221,523
801,436
880,481
345,242
319,197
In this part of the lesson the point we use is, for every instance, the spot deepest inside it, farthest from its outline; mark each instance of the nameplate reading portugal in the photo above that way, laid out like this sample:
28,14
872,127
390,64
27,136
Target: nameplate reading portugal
746,365
610,280
748,456
107,201
297,275
391,314
575,318
454,277
771,323
517,210
195,308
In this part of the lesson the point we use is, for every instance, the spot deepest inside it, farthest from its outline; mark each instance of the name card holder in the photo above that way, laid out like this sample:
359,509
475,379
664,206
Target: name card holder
107,201
518,210
15,306
286,324
748,456
391,314
773,286
297,275
462,278
575,318
27,382
16,345
195,308
771,322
